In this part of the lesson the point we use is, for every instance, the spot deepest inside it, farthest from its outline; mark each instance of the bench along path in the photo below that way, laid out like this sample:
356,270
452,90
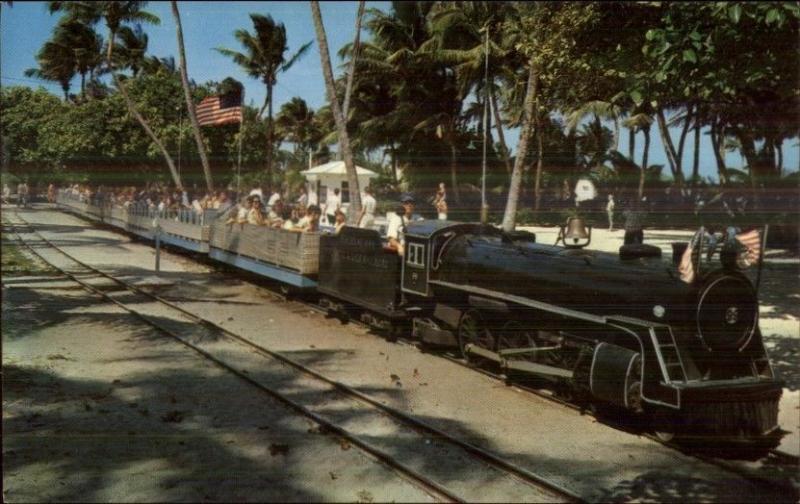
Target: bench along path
420,453
562,445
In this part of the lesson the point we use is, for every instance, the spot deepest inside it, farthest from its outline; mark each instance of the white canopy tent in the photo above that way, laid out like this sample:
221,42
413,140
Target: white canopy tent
323,179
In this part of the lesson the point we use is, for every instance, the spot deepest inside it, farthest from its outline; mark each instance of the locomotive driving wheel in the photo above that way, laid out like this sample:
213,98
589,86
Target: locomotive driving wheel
473,328
516,335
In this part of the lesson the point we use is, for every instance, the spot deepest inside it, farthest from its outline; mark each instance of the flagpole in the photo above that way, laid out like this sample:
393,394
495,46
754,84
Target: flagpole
239,157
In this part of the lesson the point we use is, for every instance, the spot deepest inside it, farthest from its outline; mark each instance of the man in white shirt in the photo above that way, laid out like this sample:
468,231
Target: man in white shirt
276,195
397,224
257,192
331,205
368,204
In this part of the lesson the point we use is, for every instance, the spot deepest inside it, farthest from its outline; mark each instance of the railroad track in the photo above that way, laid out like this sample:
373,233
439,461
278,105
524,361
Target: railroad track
776,458
536,487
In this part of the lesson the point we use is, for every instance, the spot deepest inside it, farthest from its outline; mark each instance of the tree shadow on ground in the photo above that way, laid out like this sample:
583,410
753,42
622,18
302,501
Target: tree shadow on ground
87,450
784,355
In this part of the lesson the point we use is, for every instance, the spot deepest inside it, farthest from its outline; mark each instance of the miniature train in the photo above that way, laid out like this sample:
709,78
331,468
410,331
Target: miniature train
613,329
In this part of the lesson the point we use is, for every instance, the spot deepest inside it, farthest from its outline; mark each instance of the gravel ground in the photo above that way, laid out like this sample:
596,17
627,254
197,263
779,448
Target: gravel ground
601,462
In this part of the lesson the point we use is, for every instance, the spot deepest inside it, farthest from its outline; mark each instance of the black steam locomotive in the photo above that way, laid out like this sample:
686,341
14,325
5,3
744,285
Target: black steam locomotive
623,330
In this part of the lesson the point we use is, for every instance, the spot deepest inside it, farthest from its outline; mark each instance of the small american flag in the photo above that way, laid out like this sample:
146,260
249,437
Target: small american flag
220,109
751,241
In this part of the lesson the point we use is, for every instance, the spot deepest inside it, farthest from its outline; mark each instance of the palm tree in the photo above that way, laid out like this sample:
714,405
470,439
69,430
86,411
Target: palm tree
154,64
86,45
341,125
116,14
458,37
351,74
56,63
264,58
131,53
198,137
297,123
641,121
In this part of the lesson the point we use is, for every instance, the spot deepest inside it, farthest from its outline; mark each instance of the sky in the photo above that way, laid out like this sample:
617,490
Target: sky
27,25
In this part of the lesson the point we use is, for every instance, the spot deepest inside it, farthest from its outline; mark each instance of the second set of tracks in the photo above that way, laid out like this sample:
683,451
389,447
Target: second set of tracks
495,478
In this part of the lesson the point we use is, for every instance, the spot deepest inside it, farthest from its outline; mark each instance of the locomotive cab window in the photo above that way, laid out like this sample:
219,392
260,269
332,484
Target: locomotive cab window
416,255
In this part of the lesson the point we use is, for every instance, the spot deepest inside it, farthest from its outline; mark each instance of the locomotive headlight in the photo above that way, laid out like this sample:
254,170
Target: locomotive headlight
659,311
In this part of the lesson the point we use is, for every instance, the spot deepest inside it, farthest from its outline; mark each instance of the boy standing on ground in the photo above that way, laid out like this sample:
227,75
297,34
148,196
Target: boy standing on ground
610,211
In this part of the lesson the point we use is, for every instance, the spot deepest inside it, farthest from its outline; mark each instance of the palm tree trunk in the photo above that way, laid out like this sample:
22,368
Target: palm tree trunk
645,153
453,170
201,148
779,148
341,125
356,47
631,142
696,160
269,138
132,108
717,140
83,85
394,163
615,142
267,98
498,124
682,141
537,185
531,92
669,148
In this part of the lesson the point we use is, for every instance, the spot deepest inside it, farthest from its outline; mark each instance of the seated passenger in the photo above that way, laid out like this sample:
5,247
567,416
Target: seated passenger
398,222
289,218
339,221
255,215
275,215
244,208
310,222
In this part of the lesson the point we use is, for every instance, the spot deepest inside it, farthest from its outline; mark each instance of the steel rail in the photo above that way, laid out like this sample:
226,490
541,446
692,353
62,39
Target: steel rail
518,472
780,457
429,486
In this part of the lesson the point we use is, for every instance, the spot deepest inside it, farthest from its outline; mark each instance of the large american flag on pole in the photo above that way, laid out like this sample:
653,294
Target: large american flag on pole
220,109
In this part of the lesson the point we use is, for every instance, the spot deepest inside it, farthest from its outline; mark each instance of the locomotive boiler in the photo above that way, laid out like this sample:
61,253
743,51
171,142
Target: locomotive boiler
622,329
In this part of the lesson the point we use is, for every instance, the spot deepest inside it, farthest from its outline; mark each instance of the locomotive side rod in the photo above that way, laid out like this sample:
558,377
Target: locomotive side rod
518,472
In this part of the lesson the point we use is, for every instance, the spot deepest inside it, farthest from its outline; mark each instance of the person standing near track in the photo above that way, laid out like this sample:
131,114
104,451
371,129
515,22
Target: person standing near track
368,204
610,212
332,204
22,194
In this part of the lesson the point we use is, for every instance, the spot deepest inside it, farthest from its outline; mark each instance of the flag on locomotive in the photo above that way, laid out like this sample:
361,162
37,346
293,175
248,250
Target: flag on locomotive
745,247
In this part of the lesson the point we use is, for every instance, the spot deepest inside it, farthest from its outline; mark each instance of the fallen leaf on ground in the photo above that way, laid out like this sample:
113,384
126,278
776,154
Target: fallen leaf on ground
56,357
333,475
394,377
278,449
174,416
416,373
344,444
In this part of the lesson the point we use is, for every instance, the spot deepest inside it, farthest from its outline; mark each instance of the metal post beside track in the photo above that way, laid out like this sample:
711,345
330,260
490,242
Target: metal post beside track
158,249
